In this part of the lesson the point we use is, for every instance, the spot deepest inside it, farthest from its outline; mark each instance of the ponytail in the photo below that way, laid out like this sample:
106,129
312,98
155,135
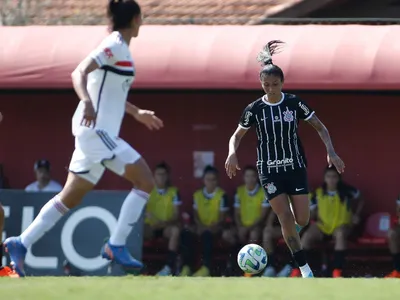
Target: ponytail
271,48
265,57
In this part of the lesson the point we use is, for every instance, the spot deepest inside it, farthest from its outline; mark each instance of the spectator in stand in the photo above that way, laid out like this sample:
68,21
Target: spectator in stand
394,244
210,211
336,208
43,182
251,208
162,212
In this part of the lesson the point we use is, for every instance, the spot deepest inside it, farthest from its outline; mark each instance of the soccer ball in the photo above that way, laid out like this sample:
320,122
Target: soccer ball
252,259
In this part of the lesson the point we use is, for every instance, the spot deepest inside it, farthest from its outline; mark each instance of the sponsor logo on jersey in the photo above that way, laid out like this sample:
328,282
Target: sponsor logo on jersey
304,108
271,188
280,163
247,116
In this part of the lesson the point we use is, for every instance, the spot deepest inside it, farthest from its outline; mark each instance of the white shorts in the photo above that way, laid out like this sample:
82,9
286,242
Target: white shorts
96,150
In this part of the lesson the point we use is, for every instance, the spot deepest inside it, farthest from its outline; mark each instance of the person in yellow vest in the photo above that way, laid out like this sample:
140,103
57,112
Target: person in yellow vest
251,208
336,208
162,215
394,243
210,206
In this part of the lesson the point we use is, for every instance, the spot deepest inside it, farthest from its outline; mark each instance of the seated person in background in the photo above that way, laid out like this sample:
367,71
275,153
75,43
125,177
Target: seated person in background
394,244
43,182
251,208
210,210
162,212
336,208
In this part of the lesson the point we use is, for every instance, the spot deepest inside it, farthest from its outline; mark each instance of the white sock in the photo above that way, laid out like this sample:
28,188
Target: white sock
48,216
130,213
305,270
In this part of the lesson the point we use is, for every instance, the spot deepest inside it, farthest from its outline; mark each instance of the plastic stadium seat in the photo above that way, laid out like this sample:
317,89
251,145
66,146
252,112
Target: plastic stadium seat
376,229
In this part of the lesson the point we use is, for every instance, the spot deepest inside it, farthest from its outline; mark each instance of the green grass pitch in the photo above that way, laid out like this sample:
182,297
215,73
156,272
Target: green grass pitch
153,288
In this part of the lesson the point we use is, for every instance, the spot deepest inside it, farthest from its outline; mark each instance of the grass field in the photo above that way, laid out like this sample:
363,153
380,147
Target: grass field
152,288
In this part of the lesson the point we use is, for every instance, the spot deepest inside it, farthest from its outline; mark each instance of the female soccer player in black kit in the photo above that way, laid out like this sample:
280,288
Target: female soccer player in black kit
281,162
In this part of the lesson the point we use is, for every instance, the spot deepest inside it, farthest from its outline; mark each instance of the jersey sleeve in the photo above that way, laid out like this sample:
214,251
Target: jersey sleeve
248,118
224,203
304,112
104,55
177,199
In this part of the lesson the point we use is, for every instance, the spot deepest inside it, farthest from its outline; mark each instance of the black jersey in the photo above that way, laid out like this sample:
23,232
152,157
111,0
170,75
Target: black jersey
279,147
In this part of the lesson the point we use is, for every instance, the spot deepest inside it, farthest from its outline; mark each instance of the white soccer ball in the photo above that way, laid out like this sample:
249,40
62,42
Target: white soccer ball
252,259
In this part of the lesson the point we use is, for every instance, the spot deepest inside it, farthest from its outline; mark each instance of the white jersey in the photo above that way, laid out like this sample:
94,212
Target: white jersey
109,85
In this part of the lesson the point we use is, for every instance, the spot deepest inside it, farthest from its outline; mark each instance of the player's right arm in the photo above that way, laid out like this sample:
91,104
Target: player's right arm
100,57
246,121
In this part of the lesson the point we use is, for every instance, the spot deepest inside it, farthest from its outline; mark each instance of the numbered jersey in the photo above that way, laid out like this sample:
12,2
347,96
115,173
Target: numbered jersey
108,86
279,147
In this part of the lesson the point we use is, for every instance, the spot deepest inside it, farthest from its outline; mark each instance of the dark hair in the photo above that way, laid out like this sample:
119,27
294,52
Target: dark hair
164,166
250,168
121,13
210,170
265,57
342,188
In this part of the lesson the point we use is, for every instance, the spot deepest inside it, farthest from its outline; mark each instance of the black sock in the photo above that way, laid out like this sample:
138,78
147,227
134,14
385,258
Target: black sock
271,260
187,248
1,255
338,259
171,259
396,261
207,244
300,258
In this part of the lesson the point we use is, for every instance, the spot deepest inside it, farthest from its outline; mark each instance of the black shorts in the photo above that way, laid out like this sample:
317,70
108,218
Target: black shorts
289,182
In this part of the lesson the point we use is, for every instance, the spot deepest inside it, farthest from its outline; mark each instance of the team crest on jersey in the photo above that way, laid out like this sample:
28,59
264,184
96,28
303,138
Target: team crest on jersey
288,115
271,188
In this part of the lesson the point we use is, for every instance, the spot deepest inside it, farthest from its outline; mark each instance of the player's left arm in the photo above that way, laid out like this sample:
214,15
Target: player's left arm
333,158
144,116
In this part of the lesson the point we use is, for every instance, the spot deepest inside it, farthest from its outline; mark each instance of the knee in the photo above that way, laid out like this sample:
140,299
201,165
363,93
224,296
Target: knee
302,221
394,235
228,236
286,219
340,234
175,232
267,233
1,212
145,184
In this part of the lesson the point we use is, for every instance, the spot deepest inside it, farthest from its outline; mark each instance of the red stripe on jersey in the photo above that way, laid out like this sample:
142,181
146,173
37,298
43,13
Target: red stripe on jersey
124,63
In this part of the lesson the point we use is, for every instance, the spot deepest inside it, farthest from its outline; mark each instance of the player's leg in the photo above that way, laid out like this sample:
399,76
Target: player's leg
82,177
128,163
207,245
72,194
269,237
243,235
229,236
394,247
188,252
172,234
341,235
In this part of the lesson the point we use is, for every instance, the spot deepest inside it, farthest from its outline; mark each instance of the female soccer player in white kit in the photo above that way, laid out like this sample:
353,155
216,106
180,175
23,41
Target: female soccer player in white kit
102,82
